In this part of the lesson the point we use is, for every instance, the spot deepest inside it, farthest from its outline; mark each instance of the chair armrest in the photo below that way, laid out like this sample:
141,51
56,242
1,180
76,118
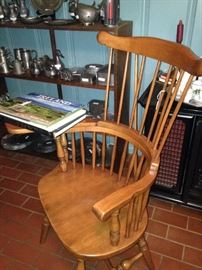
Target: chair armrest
104,208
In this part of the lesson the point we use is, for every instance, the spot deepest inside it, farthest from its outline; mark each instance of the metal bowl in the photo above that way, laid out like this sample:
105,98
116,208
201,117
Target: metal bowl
43,5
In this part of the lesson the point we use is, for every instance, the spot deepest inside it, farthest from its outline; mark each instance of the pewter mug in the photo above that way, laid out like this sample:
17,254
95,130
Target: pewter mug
4,51
18,68
18,53
5,9
4,67
5,60
24,11
1,12
27,57
13,12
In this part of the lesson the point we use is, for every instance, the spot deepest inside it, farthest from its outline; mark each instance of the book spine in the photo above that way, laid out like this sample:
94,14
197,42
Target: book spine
63,129
51,102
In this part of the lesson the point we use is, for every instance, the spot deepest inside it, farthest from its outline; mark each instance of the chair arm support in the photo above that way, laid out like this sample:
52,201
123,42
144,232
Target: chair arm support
104,208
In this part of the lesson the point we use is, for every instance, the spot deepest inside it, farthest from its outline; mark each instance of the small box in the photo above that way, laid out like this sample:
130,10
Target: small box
96,108
102,75
87,78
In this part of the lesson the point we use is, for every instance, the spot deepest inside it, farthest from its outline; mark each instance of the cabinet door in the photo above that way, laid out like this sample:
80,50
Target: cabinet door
170,177
193,187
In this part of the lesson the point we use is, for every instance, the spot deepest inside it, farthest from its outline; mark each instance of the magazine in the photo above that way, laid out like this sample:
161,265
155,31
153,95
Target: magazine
43,112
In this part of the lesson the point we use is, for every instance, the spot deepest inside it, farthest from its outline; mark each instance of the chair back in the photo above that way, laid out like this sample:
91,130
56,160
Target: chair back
150,56
136,146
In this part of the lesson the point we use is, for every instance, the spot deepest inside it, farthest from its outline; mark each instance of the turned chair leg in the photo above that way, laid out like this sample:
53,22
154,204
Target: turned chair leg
80,265
45,227
109,265
146,253
127,263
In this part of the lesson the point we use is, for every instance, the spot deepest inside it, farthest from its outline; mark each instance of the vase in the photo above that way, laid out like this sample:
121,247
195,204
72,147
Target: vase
23,10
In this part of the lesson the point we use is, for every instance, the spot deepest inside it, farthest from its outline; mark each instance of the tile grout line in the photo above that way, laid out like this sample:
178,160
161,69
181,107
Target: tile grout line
173,241
175,259
183,253
166,236
23,208
18,261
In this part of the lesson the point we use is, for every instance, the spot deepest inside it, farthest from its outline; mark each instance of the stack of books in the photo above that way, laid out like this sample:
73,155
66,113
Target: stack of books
42,113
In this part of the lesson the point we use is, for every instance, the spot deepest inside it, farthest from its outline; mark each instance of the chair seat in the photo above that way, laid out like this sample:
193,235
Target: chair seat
79,229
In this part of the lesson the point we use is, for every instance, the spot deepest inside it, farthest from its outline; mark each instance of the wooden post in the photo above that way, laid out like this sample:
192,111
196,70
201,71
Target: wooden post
64,146
115,228
61,155
146,253
45,227
80,265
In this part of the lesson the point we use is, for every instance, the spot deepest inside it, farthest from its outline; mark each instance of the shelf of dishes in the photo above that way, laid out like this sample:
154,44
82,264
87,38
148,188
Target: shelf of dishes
17,11
25,64
56,80
107,12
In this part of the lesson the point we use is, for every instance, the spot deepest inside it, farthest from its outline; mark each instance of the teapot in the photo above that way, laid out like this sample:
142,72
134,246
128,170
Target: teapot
50,71
35,67
86,14
48,66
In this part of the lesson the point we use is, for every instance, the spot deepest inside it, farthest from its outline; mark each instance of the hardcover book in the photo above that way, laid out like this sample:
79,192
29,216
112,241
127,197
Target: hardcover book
43,112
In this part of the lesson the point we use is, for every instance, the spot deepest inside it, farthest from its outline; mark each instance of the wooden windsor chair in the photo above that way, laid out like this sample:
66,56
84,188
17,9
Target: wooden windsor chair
98,213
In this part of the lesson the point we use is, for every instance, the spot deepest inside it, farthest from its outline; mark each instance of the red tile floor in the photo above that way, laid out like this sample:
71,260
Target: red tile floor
174,232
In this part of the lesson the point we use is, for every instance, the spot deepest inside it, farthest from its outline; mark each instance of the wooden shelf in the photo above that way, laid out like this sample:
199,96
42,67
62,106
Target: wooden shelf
55,80
72,26
124,28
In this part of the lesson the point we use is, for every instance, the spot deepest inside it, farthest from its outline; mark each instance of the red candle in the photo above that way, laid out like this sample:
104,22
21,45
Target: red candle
180,29
110,9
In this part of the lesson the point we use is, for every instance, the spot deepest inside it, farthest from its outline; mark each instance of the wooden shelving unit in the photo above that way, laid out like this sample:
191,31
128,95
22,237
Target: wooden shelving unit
124,28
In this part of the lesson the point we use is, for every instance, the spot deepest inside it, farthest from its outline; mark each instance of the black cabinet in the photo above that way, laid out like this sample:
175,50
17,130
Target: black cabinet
192,193
180,173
